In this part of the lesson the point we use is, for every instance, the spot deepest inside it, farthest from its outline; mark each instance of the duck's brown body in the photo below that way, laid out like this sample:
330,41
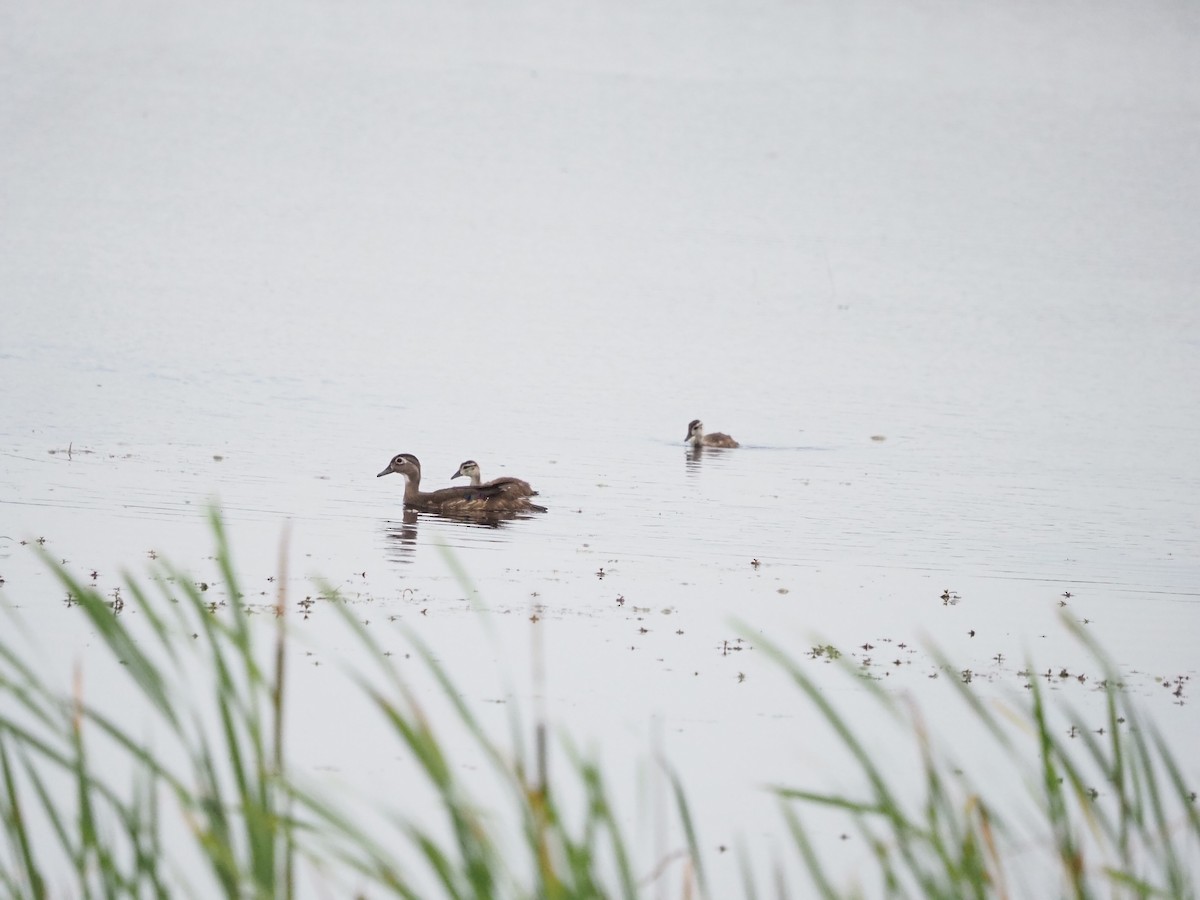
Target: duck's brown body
697,438
514,486
454,500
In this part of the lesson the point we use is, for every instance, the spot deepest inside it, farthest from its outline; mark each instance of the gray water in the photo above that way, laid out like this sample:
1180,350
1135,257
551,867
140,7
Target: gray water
934,267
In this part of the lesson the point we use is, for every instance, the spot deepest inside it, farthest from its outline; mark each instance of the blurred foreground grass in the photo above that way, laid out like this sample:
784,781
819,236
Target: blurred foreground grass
209,807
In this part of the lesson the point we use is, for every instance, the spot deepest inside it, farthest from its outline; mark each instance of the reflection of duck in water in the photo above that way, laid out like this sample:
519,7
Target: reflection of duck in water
402,537
697,438
514,486
467,501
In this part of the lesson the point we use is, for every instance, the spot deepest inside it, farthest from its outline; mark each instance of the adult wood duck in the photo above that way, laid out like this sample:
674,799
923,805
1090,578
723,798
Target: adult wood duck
454,500
514,486
697,438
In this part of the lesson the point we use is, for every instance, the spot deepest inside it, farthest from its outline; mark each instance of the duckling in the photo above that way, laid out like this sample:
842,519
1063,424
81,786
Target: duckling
514,486
454,500
697,438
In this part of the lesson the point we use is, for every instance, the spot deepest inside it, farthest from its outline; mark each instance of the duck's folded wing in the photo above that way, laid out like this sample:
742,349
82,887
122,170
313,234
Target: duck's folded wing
465,493
512,486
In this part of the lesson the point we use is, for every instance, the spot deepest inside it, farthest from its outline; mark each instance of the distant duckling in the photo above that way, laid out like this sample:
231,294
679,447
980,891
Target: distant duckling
462,500
697,438
514,486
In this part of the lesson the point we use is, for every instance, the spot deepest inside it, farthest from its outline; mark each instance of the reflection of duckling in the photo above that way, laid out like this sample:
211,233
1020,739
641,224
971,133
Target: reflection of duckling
697,438
454,500
514,486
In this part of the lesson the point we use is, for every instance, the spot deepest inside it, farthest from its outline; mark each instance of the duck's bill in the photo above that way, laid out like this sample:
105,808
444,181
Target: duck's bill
387,471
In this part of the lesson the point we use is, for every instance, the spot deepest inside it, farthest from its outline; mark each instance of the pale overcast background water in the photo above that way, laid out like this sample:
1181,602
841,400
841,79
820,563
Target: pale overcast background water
251,252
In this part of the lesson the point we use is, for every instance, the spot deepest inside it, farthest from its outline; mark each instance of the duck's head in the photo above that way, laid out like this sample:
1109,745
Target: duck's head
695,430
403,464
468,469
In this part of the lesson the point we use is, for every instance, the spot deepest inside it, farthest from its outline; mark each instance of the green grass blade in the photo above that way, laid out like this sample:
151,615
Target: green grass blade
29,877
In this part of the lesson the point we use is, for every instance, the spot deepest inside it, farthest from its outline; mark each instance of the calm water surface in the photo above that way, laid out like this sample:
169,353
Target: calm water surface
955,360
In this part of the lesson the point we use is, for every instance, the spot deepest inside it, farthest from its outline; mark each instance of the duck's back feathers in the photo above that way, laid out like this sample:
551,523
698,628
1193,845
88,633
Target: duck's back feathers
512,486
719,439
